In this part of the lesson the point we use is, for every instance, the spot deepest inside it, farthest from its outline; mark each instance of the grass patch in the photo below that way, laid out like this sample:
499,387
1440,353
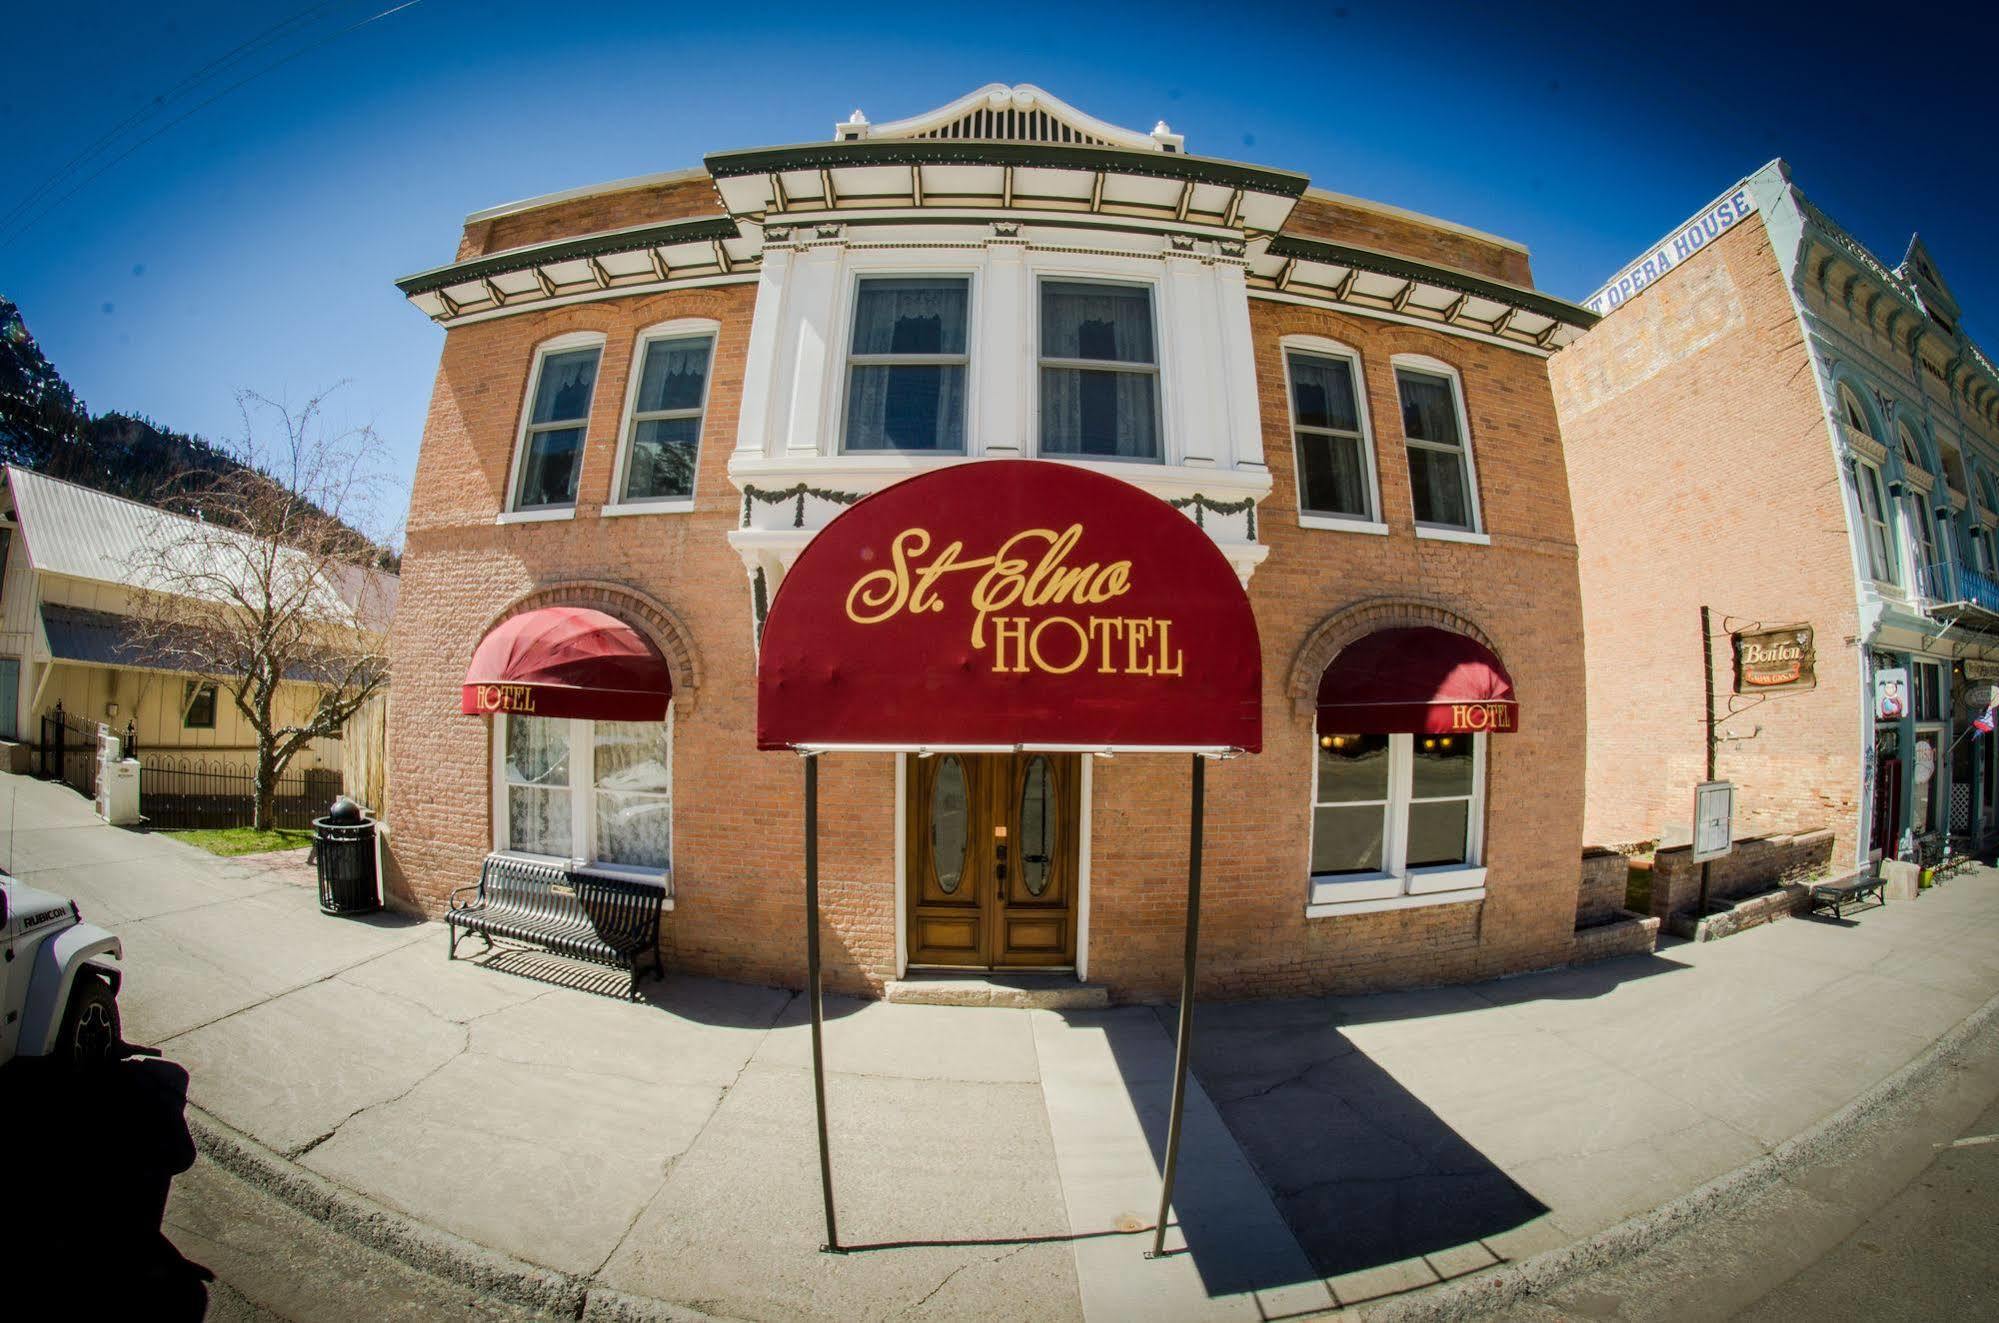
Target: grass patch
244,840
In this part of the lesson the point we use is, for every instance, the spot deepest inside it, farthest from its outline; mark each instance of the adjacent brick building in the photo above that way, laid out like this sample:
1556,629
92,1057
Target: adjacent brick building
652,394
1770,423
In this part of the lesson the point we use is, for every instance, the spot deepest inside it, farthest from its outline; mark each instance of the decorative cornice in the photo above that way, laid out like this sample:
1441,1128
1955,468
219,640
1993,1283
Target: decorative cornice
634,239
809,157
1444,277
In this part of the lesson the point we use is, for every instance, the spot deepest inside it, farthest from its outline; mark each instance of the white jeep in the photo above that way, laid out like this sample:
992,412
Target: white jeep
60,985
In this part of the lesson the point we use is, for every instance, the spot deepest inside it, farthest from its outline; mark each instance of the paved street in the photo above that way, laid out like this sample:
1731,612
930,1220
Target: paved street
991,1163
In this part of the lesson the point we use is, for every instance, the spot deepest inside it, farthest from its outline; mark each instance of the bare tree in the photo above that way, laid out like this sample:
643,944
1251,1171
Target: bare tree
274,577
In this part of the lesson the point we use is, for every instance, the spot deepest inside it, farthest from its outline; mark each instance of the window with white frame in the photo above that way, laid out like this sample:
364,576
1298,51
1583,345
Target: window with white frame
1335,462
1099,371
595,792
663,436
1389,808
906,364
1440,476
1874,514
558,415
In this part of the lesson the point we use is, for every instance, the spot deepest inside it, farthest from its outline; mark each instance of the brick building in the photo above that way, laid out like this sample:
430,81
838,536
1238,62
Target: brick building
653,393
1771,423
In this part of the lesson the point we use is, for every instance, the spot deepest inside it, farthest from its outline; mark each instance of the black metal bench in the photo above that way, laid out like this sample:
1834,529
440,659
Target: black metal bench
573,912
1855,890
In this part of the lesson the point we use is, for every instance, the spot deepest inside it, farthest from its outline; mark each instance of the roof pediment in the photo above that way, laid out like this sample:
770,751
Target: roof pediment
1001,113
1920,270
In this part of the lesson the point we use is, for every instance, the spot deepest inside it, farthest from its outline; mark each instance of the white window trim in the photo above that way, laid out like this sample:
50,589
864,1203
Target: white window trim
1436,367
856,276
582,810
1161,413
555,345
1397,885
1437,533
680,328
1867,478
1321,347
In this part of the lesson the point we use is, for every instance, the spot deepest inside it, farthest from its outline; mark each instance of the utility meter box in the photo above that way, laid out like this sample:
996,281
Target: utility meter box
118,792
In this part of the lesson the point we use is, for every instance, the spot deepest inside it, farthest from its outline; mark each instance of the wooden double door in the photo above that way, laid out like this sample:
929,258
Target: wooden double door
992,859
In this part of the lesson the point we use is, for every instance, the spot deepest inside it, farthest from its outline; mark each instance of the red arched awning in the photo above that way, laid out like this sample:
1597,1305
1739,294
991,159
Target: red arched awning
1421,681
567,661
1010,604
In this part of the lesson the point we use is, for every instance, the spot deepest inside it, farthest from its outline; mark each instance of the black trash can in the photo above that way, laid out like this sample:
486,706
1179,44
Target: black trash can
344,840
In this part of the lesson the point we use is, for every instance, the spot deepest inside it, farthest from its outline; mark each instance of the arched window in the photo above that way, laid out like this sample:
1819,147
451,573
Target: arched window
1851,411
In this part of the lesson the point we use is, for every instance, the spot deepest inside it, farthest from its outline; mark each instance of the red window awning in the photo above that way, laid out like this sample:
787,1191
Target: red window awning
567,661
1420,681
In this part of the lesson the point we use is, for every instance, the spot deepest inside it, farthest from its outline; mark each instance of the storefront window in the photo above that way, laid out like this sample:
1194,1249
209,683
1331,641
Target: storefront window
552,444
1333,462
663,446
634,789
1099,371
906,368
1927,678
1350,819
597,791
1388,805
537,772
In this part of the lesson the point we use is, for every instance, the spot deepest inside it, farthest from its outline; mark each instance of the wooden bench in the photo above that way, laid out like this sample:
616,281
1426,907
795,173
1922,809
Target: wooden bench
573,912
1855,889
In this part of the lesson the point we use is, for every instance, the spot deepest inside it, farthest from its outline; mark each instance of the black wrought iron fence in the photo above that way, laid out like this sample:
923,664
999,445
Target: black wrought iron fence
177,793
67,751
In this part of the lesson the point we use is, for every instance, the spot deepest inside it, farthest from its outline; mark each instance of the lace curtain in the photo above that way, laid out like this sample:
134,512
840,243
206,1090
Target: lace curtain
1428,411
634,793
1113,413
913,406
537,775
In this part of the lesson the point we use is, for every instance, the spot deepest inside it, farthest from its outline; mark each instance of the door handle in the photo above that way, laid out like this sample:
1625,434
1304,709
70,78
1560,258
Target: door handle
999,867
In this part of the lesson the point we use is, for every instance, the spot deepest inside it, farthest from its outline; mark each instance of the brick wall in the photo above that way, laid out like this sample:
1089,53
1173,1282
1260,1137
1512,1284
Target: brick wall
737,828
1318,216
1606,874
1703,473
1755,865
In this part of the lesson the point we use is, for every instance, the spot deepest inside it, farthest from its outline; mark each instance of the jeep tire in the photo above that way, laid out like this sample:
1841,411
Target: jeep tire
90,1029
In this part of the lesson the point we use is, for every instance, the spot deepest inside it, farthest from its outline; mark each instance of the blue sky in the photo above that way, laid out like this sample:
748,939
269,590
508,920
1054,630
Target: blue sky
254,244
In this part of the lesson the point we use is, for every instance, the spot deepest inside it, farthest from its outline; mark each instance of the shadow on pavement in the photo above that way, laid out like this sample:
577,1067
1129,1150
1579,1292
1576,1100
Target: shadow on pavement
1362,1170
90,1160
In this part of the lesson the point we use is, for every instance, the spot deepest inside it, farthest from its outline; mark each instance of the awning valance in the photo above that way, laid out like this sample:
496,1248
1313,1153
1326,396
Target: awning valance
1420,680
567,661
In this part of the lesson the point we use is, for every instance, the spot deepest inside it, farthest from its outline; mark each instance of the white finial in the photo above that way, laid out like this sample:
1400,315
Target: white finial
857,117
1160,130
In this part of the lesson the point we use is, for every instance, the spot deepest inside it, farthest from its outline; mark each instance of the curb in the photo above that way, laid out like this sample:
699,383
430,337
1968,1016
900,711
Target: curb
415,1243
1475,1296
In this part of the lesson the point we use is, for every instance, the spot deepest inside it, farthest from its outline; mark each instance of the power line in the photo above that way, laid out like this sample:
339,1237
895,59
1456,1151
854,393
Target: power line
158,103
23,226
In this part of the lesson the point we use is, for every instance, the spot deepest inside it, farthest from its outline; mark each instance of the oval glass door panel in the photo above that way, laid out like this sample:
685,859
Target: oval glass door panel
949,824
1037,826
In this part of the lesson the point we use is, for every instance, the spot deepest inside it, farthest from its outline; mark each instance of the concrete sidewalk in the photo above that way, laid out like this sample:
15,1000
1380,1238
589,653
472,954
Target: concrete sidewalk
990,1163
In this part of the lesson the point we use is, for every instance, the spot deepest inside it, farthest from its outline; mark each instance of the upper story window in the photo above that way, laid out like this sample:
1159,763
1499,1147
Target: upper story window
551,448
1335,461
1099,371
663,438
1440,470
1855,416
1874,513
198,706
906,365
1912,454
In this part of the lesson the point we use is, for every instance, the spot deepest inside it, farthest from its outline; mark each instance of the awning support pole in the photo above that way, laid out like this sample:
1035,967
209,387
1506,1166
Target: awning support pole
1185,1038
832,1245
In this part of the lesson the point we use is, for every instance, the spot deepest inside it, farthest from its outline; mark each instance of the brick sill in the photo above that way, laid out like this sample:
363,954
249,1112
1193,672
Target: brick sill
1333,909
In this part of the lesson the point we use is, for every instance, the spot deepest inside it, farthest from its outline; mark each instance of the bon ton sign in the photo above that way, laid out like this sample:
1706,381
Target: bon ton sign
1024,603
